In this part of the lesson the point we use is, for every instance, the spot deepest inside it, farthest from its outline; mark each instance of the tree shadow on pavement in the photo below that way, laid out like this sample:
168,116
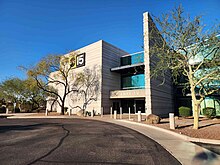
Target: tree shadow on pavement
204,158
208,125
7,128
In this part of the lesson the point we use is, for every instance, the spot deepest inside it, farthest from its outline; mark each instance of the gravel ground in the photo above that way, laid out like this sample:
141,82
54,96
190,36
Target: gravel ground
209,128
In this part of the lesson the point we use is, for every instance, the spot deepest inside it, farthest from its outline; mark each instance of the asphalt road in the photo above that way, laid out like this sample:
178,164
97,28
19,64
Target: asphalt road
76,141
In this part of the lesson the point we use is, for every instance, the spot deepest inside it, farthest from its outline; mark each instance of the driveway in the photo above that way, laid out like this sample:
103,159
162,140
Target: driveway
76,141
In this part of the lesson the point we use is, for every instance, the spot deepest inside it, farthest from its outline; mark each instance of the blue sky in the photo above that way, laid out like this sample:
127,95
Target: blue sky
30,29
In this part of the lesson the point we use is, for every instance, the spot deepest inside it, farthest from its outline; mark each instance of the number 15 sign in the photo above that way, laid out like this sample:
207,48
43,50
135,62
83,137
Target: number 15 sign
78,60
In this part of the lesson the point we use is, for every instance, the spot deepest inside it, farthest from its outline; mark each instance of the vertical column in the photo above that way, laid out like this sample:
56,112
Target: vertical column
92,113
129,113
46,112
111,112
148,106
70,112
172,120
120,112
139,116
101,111
115,114
135,107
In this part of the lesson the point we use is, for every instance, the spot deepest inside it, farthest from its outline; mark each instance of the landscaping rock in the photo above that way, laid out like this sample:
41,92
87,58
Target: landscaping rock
80,113
153,119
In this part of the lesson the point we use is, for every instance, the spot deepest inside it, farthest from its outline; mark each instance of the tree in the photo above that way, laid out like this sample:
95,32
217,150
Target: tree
87,87
187,50
33,93
20,91
52,73
12,90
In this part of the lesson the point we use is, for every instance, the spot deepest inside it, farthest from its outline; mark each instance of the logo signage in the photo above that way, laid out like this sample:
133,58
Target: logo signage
78,60
127,93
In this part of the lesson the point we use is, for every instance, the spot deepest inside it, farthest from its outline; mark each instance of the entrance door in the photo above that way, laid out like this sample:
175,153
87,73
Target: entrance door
125,104
115,106
140,105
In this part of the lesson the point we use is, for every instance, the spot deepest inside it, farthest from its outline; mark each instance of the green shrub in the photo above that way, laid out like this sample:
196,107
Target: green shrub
209,112
184,111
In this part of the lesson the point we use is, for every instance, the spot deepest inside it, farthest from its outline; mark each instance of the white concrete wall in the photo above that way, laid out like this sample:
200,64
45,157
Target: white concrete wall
92,57
105,56
159,98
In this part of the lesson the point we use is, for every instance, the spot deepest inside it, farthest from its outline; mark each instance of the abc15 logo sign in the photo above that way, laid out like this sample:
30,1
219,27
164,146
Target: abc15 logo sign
78,60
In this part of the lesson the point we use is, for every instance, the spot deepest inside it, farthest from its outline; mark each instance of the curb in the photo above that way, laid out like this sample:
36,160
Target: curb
184,137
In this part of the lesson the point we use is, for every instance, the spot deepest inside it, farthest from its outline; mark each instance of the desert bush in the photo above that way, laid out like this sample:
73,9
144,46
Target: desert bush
184,111
209,112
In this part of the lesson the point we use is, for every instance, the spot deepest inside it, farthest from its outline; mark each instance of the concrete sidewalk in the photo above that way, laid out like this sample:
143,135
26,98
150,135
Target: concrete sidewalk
186,152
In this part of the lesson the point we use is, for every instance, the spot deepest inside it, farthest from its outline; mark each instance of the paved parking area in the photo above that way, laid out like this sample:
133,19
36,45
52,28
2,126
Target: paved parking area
76,141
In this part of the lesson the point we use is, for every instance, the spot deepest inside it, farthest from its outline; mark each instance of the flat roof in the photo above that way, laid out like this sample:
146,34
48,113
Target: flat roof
132,54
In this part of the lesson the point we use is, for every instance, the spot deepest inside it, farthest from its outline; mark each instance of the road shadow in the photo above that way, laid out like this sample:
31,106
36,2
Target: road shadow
7,128
212,147
204,158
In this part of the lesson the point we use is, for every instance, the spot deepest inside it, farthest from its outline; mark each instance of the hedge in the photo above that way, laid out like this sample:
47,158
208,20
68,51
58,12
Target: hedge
184,111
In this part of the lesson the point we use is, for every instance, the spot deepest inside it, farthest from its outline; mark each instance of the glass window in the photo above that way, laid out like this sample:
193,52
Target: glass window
126,60
137,58
133,81
132,59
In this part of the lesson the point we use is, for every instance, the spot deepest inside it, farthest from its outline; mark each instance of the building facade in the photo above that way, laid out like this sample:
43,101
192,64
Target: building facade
124,78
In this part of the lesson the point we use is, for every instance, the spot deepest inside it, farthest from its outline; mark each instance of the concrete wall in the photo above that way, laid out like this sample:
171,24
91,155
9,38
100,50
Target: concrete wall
92,57
105,56
110,80
159,98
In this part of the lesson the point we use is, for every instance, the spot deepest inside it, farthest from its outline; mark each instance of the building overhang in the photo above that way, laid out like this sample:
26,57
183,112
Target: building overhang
127,67
120,94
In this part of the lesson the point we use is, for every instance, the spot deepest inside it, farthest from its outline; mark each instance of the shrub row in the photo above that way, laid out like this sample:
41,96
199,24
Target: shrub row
186,111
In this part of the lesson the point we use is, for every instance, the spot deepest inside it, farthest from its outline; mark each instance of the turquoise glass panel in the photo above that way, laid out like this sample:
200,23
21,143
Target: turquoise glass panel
133,82
137,58
132,59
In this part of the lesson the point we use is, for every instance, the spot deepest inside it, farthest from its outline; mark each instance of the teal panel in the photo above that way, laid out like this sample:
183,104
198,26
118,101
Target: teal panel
132,59
133,82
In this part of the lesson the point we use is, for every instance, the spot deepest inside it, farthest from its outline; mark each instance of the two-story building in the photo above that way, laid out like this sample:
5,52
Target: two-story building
125,78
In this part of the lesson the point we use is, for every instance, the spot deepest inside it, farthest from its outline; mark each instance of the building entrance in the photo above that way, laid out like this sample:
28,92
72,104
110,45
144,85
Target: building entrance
135,105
